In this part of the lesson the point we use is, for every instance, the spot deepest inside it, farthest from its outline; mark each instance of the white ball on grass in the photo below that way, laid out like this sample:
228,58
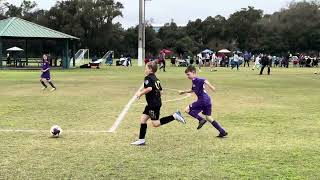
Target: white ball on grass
55,131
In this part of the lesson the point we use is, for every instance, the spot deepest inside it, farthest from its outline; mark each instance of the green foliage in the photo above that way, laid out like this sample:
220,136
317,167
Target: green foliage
24,10
296,28
2,9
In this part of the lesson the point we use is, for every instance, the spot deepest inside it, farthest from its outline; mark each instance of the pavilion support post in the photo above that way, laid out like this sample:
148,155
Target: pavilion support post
74,53
41,47
26,51
66,62
1,52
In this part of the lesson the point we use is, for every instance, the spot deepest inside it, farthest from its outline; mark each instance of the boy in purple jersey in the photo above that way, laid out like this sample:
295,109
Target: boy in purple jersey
203,104
45,74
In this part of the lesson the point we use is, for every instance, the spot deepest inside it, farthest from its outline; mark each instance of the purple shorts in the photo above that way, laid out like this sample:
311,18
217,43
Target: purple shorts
45,76
198,106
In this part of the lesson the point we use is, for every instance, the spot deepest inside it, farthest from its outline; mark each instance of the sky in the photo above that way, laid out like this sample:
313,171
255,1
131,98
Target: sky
181,11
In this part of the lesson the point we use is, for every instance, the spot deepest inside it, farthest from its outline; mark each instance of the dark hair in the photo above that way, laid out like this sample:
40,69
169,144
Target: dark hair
191,69
153,66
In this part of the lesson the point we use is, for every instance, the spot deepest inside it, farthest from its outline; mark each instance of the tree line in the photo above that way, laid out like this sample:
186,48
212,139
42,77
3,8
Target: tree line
295,28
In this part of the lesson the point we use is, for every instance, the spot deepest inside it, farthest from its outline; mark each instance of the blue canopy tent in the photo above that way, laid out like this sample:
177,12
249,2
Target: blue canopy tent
208,51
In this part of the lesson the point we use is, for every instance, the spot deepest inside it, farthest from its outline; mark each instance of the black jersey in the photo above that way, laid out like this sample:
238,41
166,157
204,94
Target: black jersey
265,60
153,97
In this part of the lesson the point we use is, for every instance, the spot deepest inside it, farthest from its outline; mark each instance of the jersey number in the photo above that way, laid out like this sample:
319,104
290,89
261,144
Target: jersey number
157,84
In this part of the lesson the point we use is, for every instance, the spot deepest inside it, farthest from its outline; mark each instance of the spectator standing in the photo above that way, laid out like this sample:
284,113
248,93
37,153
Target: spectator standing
236,59
266,62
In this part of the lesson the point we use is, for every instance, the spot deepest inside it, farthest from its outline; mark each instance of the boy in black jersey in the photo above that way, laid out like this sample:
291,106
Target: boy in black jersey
153,90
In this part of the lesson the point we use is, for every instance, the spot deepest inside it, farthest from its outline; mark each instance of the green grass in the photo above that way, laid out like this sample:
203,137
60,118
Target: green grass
273,123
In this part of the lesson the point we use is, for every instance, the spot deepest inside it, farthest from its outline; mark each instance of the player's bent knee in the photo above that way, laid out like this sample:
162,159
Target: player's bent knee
187,110
143,121
156,124
209,118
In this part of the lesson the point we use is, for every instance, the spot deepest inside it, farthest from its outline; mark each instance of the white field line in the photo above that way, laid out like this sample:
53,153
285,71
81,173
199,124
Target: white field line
22,130
41,131
124,112
111,130
171,100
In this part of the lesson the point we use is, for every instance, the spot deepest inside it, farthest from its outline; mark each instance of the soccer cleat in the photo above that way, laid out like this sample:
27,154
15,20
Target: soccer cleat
140,142
44,88
53,89
201,123
222,135
178,116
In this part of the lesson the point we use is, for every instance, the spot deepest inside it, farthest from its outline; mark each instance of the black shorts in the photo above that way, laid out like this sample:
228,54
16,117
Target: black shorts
153,112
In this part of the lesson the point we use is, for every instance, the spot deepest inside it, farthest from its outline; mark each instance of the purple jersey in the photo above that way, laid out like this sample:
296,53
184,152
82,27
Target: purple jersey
198,89
46,74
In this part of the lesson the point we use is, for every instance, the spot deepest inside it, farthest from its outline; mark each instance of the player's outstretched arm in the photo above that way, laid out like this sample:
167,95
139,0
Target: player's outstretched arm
143,92
45,70
209,85
185,92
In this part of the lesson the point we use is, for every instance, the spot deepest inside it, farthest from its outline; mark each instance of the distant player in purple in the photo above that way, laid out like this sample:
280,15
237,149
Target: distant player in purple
45,74
203,104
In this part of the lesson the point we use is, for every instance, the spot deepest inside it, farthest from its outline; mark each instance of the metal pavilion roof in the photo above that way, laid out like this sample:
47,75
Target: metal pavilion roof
20,28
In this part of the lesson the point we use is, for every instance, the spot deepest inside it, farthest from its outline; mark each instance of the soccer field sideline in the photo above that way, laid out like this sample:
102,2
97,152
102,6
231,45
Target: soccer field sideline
262,114
124,111
116,124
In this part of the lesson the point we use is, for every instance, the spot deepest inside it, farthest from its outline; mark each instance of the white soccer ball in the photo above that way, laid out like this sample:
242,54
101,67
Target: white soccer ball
55,131
316,72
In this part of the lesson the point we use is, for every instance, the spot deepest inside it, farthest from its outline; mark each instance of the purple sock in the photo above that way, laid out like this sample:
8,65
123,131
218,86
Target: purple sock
217,126
196,115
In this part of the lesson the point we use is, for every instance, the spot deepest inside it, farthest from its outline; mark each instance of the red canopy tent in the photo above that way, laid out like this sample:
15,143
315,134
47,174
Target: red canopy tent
166,51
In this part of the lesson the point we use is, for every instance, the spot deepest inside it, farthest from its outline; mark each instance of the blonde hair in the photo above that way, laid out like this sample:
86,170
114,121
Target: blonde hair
153,66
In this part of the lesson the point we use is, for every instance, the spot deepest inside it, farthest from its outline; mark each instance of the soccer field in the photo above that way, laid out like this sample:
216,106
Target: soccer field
273,124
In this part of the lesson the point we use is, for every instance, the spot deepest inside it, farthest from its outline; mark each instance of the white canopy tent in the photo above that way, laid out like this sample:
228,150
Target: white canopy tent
15,49
224,51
